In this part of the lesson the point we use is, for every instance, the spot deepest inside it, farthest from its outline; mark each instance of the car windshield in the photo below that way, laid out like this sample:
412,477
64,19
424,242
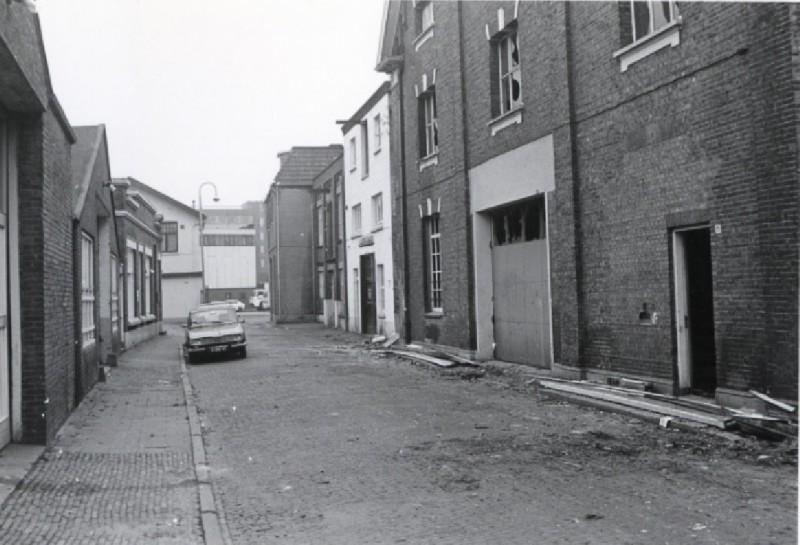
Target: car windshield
212,316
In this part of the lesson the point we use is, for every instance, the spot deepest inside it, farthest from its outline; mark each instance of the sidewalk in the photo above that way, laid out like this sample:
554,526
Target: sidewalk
121,470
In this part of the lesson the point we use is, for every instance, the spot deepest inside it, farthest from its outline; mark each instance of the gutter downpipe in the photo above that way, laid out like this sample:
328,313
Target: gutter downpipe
473,342
404,211
576,186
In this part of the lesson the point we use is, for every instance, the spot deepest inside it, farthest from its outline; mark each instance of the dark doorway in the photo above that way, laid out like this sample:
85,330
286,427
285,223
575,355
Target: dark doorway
368,317
700,310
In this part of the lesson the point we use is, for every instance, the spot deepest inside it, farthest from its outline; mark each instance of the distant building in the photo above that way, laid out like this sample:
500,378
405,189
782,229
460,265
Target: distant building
368,200
329,247
181,270
289,206
139,234
229,248
98,334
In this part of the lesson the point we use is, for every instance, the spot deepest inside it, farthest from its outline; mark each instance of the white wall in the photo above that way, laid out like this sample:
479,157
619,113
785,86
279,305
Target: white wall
230,266
180,295
358,190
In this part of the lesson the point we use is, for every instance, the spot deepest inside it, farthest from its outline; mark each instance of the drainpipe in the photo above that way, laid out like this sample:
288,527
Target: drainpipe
576,184
472,321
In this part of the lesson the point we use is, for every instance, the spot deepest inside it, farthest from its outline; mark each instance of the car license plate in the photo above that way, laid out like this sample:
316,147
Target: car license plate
218,348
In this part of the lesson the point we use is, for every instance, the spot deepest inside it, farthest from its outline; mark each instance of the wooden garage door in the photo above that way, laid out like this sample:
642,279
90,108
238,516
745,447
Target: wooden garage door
521,303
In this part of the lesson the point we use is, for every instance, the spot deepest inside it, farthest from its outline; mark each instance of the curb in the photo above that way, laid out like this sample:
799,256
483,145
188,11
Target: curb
209,514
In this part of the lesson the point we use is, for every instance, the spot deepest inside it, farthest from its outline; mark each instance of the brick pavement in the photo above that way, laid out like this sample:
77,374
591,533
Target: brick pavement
120,471
312,441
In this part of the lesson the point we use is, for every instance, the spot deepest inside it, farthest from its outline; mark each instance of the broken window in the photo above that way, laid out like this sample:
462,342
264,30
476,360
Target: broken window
428,124
521,222
506,73
641,18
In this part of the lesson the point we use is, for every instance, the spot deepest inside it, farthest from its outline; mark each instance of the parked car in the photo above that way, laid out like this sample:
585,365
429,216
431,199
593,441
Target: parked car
238,305
214,329
260,299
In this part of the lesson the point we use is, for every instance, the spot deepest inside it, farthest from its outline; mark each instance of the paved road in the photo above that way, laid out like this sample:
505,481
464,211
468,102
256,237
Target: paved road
313,440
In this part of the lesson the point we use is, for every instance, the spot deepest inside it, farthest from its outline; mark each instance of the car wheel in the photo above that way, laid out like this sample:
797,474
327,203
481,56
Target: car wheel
190,358
243,353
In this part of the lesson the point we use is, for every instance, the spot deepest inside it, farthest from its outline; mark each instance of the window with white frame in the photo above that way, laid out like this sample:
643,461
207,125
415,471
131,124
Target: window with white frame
377,210
364,150
428,124
376,131
148,277
424,16
650,16
169,241
87,289
381,291
130,284
339,206
356,219
352,153
433,264
506,73
320,224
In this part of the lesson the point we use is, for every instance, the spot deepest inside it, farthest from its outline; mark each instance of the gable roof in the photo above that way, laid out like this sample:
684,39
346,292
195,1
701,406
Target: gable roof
89,141
366,107
141,186
301,164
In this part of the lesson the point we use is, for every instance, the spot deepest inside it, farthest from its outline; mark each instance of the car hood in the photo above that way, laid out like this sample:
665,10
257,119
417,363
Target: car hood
212,331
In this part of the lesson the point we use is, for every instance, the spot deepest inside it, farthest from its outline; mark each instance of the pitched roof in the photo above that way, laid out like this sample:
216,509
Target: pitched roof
301,164
141,186
366,107
84,156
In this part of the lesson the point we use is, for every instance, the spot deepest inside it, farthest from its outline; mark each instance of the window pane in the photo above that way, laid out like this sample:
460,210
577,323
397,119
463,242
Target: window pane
661,14
641,19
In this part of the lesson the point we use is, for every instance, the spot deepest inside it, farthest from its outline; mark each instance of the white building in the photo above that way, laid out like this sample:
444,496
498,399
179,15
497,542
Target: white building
181,273
229,251
370,294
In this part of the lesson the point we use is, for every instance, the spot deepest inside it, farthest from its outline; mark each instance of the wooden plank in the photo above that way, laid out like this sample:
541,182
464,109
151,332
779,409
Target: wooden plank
774,402
710,420
423,357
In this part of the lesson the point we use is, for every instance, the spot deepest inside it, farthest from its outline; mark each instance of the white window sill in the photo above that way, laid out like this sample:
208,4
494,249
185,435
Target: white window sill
426,35
429,161
134,321
511,117
376,228
666,36
87,344
355,235
435,314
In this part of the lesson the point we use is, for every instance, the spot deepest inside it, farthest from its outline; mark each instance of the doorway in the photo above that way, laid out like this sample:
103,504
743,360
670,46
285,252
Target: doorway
694,311
368,314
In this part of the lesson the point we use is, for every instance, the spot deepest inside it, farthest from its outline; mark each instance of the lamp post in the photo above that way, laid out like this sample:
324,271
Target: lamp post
202,223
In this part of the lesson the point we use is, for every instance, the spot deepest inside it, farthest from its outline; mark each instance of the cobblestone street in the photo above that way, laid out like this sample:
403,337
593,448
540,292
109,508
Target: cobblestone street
120,471
313,439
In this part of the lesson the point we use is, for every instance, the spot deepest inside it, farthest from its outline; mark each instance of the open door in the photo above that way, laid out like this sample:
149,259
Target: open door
694,310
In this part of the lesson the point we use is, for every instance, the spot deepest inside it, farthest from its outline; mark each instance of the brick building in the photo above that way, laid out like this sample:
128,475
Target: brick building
139,236
289,207
37,364
328,257
96,255
606,189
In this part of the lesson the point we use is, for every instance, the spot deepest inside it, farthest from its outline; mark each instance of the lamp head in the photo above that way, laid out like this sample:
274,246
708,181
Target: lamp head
216,199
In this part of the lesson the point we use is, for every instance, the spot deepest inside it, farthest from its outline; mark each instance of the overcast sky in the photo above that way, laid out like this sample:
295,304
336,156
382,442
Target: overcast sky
200,90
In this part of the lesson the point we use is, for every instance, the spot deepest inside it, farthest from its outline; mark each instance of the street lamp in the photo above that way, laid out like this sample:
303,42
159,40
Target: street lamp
202,223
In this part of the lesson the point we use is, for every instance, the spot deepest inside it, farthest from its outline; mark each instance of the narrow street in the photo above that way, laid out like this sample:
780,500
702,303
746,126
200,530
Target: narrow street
313,439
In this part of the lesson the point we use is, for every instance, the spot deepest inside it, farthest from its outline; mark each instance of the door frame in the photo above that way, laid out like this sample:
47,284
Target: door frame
368,281
683,337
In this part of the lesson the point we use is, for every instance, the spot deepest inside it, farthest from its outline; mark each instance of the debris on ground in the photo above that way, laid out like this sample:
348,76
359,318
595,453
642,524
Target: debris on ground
393,338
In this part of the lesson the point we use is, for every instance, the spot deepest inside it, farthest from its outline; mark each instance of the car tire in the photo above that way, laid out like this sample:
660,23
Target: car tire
242,353
190,358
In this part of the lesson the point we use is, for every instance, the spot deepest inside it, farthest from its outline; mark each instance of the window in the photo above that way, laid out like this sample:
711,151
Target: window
340,287
649,16
339,206
320,224
148,278
114,293
433,264
376,130
352,154
424,16
130,281
228,240
377,210
330,282
381,292
519,223
87,289
330,246
428,126
506,82
356,220
169,241
364,150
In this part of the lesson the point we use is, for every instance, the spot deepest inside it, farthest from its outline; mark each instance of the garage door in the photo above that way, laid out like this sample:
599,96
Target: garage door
521,303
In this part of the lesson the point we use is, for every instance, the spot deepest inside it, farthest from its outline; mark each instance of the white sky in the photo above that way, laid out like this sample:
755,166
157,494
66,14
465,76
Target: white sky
201,90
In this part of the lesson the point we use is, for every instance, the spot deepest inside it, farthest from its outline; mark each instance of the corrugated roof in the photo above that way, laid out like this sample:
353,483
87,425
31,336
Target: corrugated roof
301,164
84,154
